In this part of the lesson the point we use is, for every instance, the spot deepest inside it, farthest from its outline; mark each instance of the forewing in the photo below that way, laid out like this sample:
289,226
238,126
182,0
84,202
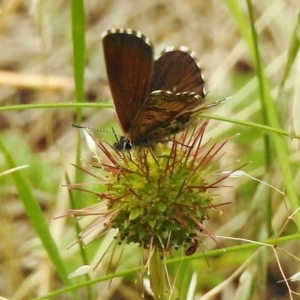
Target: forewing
177,71
129,61
163,114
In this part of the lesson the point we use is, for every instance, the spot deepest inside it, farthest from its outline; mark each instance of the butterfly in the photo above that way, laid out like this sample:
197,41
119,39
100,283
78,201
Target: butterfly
154,99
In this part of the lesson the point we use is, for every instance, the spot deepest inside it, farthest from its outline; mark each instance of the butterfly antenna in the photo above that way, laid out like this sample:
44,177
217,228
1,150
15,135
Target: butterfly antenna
97,129
115,134
217,102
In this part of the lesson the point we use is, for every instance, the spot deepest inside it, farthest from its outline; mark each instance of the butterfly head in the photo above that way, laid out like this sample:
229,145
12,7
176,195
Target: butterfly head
124,144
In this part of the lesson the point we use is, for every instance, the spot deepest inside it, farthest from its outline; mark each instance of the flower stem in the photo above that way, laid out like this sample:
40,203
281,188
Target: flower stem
160,285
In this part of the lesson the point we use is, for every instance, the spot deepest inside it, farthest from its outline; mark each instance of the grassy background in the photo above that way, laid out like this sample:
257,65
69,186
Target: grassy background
38,41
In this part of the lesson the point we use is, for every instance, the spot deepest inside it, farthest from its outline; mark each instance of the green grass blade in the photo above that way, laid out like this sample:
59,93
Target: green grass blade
36,217
271,117
292,53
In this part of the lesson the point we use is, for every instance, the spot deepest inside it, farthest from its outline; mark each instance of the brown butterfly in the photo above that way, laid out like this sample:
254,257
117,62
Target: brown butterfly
154,99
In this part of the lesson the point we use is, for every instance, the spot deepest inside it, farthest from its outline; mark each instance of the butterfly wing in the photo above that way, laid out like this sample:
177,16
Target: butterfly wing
129,61
165,114
178,90
176,71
